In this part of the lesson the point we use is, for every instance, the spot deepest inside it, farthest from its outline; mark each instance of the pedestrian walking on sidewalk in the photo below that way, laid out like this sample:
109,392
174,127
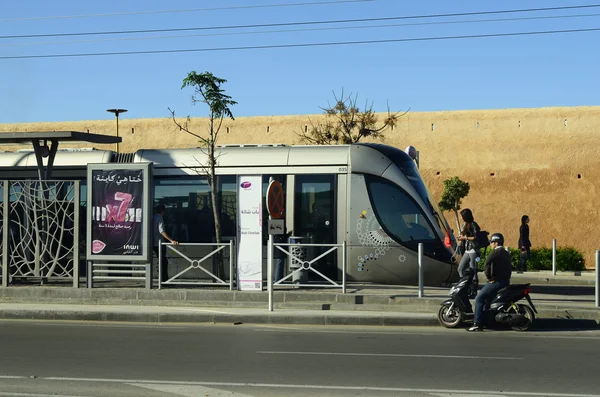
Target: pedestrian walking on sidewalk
524,243
159,233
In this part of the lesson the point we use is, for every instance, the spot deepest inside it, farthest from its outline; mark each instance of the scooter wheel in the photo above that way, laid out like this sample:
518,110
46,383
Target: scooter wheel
450,318
527,312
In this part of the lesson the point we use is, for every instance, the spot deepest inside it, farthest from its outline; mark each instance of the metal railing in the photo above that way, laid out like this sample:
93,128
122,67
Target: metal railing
304,266
196,264
118,271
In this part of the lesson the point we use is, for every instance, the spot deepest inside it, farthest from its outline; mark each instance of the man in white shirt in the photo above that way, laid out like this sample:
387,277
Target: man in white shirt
159,233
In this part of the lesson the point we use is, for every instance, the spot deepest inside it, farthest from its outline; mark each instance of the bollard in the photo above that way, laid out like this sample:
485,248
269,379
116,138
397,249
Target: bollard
420,270
554,257
270,271
344,267
159,263
597,279
231,265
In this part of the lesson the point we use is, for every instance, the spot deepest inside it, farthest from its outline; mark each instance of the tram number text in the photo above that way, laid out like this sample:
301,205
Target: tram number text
343,169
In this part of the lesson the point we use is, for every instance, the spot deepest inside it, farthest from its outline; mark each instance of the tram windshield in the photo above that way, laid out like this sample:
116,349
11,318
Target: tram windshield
398,213
410,170
404,220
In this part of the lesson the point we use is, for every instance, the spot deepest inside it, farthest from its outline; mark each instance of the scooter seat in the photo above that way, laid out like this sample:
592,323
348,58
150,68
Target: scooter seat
515,287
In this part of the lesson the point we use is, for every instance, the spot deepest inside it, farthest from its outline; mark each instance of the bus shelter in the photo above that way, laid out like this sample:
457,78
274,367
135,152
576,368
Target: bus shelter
40,220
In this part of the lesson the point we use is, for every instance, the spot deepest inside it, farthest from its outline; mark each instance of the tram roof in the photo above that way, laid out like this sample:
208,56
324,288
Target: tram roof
369,158
242,155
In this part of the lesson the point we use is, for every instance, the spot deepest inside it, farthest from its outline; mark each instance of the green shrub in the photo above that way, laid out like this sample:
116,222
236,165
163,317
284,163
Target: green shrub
541,259
567,259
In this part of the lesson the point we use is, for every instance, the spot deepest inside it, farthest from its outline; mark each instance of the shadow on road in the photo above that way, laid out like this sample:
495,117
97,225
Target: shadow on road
571,290
563,324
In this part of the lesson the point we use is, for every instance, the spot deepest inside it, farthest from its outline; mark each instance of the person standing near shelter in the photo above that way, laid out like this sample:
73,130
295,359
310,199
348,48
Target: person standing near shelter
524,243
471,251
467,239
279,257
159,233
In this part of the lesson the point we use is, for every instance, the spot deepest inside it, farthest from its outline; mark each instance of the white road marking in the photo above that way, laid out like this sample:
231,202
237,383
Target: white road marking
189,390
333,331
195,309
12,394
323,387
466,395
276,328
390,355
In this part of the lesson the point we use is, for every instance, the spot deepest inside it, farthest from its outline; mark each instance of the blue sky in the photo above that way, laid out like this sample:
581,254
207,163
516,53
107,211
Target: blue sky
478,73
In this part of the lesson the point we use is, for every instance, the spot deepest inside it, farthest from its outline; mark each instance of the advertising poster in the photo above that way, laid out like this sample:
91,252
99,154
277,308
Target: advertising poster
116,210
250,233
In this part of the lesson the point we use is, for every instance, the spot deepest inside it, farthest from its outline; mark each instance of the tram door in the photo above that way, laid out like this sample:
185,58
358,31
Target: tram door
315,219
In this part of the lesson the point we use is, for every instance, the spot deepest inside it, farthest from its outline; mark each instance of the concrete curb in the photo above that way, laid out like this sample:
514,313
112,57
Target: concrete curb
546,319
283,317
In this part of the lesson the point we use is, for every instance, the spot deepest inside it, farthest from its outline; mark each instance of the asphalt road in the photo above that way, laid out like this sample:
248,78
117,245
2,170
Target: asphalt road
109,359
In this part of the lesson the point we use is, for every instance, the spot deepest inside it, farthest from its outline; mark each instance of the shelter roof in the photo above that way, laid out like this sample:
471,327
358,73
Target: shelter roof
61,136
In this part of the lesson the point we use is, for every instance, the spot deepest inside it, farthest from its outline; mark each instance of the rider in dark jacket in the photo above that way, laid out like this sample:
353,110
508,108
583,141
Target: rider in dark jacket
497,269
498,265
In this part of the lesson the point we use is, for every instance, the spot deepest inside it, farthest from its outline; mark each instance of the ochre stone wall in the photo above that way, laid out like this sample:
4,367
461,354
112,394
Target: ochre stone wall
539,162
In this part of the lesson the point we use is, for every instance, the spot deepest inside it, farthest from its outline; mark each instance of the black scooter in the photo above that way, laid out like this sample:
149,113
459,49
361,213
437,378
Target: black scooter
502,309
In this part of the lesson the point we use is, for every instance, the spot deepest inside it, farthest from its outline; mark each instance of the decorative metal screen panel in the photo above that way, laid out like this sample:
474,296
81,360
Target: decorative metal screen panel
43,229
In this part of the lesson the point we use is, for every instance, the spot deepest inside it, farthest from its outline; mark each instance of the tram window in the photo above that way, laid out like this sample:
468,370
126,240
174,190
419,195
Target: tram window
315,202
397,213
228,189
189,216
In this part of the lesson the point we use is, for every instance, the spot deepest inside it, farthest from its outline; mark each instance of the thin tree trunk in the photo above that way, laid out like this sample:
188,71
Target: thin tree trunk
457,221
459,228
220,270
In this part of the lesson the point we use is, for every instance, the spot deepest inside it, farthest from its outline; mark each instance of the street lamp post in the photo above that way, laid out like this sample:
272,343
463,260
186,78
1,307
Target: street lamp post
116,112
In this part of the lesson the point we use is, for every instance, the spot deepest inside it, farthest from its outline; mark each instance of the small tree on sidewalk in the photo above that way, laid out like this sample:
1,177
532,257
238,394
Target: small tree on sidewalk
345,123
454,191
207,89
